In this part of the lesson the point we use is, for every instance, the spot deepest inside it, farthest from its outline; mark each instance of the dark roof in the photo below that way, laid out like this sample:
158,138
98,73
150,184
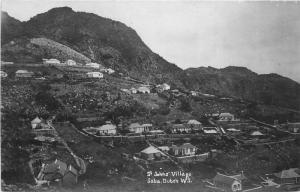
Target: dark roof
57,166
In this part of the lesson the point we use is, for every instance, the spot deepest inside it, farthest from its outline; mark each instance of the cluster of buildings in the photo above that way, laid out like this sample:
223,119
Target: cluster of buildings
59,171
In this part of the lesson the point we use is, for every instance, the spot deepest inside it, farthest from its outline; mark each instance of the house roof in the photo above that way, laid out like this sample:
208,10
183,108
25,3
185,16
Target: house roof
72,170
193,122
23,71
183,146
178,126
290,173
36,120
106,127
150,150
225,114
225,179
143,88
134,125
209,131
256,133
146,125
56,166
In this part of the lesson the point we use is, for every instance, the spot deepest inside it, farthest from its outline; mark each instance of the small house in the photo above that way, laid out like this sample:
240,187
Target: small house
291,175
95,75
93,65
35,122
53,171
51,61
185,149
143,89
163,87
194,124
226,117
133,90
194,93
256,133
138,128
227,183
107,129
24,73
180,128
294,127
107,70
3,74
70,177
70,62
151,153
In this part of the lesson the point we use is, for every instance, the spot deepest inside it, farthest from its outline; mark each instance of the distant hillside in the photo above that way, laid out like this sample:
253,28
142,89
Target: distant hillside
242,83
102,40
63,33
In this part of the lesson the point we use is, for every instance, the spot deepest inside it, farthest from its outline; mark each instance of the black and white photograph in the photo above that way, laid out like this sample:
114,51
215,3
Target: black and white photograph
150,96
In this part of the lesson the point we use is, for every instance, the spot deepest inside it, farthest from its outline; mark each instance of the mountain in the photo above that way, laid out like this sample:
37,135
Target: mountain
102,40
63,33
240,82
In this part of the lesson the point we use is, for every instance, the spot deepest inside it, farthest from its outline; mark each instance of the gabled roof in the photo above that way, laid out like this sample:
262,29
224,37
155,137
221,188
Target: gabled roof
193,122
72,170
225,179
225,114
150,150
23,71
134,125
57,166
106,127
36,120
146,125
286,174
256,133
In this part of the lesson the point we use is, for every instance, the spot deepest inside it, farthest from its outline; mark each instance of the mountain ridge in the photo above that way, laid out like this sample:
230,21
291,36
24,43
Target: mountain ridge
116,45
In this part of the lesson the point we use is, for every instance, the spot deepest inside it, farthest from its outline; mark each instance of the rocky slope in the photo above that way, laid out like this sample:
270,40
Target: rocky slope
242,83
85,36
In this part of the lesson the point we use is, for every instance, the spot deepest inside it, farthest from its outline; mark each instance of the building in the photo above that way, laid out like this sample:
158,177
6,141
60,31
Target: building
288,176
70,62
70,177
194,93
194,124
256,133
133,90
59,171
185,149
53,171
107,129
138,128
180,128
226,117
51,61
3,74
6,63
151,153
95,75
293,127
93,65
163,87
227,183
210,130
24,73
107,70
143,89
35,122
40,127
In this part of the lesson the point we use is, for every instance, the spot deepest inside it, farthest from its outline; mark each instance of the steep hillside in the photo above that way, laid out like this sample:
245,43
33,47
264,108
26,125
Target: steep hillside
240,82
102,40
63,33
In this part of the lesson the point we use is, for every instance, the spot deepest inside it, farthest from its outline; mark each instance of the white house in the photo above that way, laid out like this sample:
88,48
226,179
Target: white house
35,122
143,89
107,70
138,128
163,87
107,129
70,62
226,117
133,90
3,74
93,65
194,124
51,61
95,75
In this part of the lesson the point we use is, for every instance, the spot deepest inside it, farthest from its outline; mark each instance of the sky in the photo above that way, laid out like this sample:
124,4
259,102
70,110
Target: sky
262,36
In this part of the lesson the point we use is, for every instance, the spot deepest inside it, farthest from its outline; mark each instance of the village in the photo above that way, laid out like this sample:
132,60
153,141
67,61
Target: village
85,114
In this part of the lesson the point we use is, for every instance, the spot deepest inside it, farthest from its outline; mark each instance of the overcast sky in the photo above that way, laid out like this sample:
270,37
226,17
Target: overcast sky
262,36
